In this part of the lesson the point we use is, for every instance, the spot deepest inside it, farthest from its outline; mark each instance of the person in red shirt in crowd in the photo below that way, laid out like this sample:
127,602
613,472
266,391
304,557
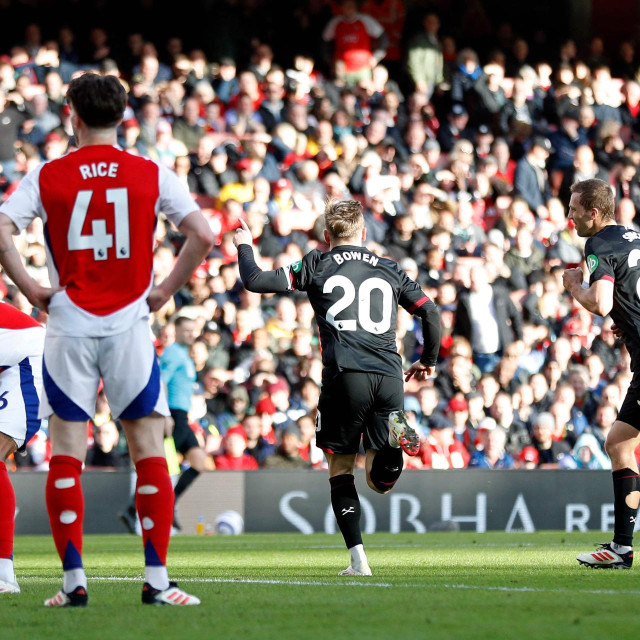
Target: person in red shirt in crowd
358,41
266,410
308,450
458,413
440,449
234,456
391,15
528,458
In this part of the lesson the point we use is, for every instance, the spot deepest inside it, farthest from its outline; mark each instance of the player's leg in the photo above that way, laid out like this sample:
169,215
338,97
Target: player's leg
346,508
622,441
344,403
70,383
65,505
8,583
187,444
388,435
132,384
18,422
129,515
154,501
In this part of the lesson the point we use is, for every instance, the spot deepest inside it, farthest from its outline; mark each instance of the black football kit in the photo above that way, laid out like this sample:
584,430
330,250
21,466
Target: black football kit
614,254
355,295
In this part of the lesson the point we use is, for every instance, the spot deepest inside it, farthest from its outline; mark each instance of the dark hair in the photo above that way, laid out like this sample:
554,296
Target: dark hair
98,100
596,194
180,320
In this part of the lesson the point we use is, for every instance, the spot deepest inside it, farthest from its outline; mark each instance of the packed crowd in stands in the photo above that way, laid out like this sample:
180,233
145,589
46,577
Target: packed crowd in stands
463,162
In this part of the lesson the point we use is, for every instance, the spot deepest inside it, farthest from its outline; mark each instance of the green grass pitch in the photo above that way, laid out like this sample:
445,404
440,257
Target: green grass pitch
454,585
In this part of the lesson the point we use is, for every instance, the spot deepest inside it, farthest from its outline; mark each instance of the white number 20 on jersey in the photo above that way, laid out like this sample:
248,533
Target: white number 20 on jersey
99,240
364,304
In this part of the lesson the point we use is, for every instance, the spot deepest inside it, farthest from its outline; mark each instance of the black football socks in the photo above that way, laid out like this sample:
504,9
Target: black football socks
186,478
625,481
386,468
346,507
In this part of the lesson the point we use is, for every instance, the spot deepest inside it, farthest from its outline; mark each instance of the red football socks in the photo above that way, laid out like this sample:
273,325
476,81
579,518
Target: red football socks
154,502
7,513
65,504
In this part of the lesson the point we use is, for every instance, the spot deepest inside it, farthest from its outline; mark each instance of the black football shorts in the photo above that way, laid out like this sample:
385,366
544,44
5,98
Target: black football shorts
354,404
183,436
630,409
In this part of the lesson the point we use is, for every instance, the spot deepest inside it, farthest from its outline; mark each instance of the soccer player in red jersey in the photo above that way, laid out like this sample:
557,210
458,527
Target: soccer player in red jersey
99,206
21,344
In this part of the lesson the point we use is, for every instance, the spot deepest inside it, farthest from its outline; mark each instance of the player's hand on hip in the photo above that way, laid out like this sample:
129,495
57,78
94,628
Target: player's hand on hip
243,234
40,296
157,299
572,278
418,371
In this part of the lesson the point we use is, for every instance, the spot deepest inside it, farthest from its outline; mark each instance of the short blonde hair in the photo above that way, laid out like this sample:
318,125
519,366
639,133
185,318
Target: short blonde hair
343,218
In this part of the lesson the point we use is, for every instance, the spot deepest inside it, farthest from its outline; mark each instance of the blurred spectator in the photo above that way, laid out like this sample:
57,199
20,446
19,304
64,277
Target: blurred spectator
358,41
187,128
491,453
487,317
288,454
440,449
550,451
106,451
12,119
424,56
234,457
531,181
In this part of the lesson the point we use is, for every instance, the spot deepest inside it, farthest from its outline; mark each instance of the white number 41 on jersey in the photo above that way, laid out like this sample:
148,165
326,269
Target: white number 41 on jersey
99,240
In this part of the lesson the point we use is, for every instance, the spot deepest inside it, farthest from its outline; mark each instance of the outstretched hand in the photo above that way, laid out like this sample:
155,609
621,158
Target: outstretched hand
243,234
418,371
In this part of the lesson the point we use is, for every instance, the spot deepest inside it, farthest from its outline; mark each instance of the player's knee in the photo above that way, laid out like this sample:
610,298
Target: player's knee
618,450
614,449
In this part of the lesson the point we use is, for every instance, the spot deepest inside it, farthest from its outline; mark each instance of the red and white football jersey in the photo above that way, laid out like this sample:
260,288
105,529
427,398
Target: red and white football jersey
20,336
99,206
353,39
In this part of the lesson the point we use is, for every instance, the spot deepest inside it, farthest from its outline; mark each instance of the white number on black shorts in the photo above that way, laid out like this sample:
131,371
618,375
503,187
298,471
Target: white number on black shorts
364,304
99,240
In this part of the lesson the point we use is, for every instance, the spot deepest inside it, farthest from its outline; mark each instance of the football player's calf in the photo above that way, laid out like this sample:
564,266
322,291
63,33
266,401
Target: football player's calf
8,582
346,508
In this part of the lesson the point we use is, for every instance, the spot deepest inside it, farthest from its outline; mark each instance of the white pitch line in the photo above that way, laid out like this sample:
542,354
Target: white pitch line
294,583
352,583
430,546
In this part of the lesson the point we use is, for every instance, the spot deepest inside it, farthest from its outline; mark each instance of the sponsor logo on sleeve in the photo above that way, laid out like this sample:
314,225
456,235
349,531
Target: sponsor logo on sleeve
592,262
296,266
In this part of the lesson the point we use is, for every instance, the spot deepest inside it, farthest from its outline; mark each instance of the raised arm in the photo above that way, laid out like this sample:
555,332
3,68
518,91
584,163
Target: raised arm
252,276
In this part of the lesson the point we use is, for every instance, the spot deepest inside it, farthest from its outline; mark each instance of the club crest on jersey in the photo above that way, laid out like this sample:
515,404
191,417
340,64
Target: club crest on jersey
592,262
296,266
630,236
